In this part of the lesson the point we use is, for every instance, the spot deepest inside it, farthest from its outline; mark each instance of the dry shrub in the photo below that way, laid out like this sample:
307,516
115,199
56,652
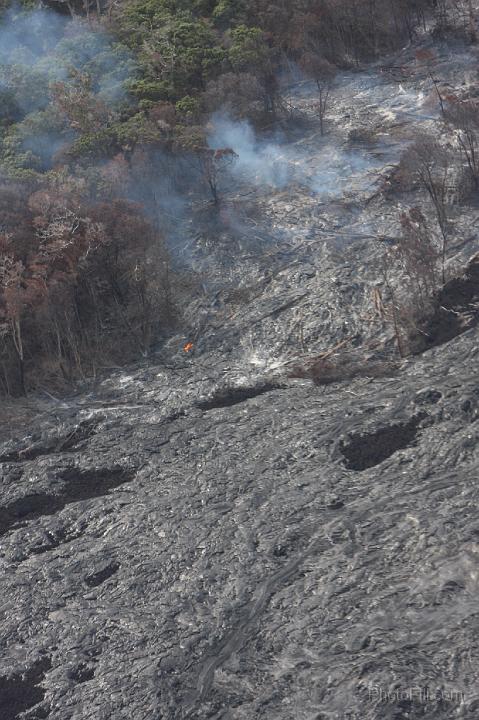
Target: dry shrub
328,372
340,364
366,135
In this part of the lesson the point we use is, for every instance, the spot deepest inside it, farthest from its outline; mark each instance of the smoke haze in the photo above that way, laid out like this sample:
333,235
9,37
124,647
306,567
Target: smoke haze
37,49
327,171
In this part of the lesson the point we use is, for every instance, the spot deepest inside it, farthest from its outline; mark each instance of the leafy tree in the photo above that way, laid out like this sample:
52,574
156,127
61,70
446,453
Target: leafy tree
226,12
248,49
188,108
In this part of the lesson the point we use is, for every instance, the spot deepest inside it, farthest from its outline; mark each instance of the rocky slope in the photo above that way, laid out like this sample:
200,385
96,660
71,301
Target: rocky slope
206,537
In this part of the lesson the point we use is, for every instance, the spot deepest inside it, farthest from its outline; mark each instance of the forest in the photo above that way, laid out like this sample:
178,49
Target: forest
104,116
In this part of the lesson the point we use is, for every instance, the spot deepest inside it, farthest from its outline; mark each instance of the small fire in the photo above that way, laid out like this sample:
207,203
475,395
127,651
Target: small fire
188,347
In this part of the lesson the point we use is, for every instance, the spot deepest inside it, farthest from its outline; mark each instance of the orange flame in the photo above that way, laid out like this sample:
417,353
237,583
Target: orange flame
188,347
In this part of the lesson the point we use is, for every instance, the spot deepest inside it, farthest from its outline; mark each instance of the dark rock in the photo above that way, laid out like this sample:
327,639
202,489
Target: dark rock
22,690
428,396
366,451
99,577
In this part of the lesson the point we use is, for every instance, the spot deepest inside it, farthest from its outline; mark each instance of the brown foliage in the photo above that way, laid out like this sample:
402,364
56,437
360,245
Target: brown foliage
78,103
80,283
425,56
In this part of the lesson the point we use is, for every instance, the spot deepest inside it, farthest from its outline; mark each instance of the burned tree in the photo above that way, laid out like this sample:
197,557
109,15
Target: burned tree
208,163
464,118
212,164
323,73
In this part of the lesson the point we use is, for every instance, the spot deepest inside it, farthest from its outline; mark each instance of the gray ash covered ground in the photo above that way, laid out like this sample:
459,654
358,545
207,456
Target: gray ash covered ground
205,537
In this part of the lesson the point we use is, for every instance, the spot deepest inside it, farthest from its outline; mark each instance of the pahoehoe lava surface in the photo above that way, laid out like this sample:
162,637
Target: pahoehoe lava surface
237,566
204,536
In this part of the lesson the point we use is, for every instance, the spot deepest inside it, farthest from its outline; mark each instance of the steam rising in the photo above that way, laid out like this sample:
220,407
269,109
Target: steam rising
260,162
328,170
